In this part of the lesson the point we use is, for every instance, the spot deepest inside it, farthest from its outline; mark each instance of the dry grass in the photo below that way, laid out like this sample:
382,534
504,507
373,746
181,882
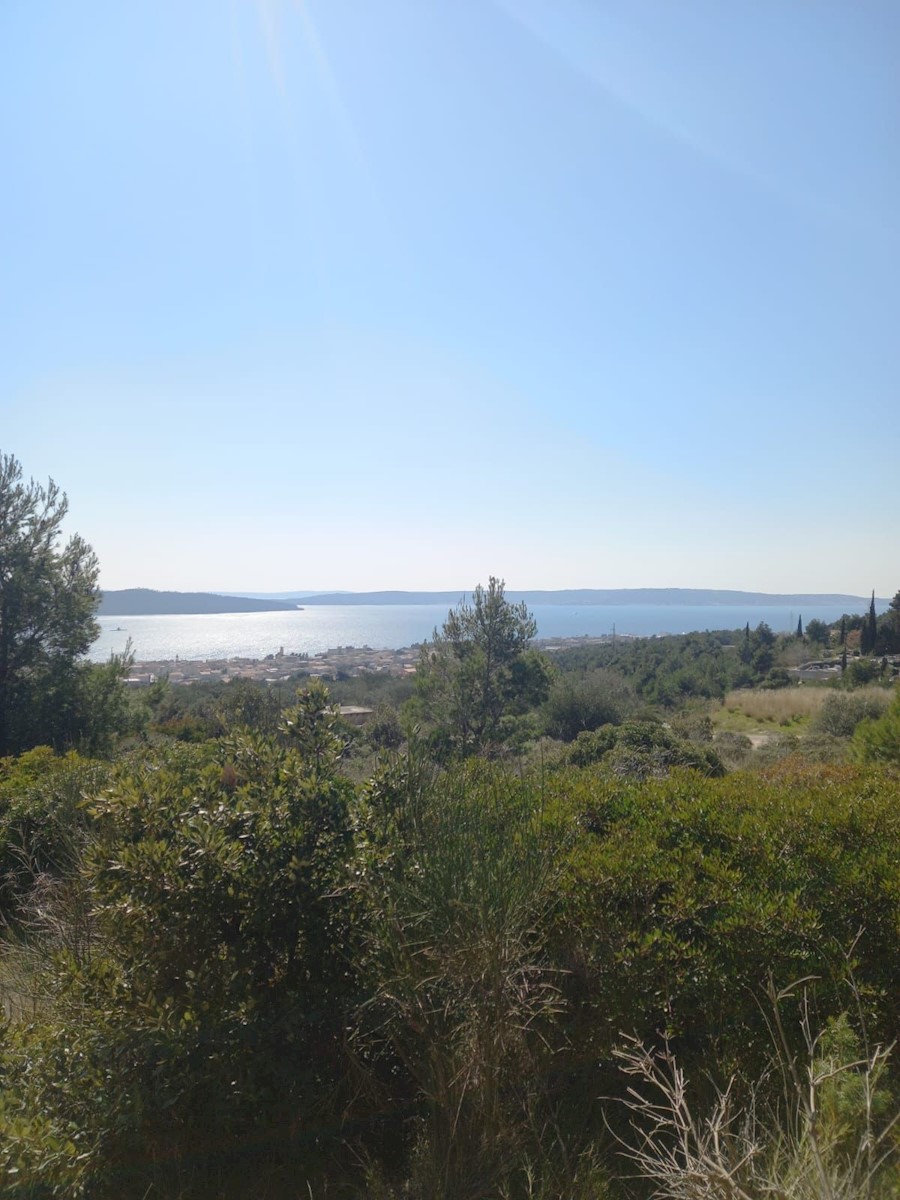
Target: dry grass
832,1138
784,706
790,707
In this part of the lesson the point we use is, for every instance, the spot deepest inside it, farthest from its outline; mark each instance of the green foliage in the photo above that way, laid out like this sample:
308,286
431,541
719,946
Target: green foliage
843,711
215,1000
642,750
578,704
888,630
246,704
776,677
384,731
682,895
879,740
457,874
832,1137
868,634
373,688
861,671
672,671
48,597
314,728
590,746
477,675
274,983
41,1155
818,632
733,748
43,820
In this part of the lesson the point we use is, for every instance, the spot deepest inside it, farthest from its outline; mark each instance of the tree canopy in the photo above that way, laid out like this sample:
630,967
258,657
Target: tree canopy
478,674
48,597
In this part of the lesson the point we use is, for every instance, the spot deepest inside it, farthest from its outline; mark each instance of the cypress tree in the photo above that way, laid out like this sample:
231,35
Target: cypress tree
800,626
843,638
869,633
746,652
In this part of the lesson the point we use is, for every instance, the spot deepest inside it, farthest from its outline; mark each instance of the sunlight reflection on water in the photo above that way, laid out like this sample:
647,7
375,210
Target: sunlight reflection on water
323,627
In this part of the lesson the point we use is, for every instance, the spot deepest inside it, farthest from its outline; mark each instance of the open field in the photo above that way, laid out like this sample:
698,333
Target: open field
748,710
792,709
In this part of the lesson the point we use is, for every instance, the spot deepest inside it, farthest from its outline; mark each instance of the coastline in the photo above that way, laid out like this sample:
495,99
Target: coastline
282,668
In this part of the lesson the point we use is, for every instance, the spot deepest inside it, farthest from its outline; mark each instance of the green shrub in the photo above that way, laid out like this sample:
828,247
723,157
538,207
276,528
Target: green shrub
843,711
203,1034
579,704
683,894
590,747
641,750
384,731
732,748
43,819
831,1136
861,671
457,875
879,740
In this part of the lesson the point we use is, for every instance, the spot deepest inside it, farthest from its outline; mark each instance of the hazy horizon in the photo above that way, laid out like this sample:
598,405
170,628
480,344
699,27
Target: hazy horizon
301,593
406,295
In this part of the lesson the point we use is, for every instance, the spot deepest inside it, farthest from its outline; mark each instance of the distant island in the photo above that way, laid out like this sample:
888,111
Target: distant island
597,596
133,602
147,602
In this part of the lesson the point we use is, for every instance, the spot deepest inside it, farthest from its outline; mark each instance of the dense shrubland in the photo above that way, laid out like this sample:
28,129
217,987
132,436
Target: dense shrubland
522,937
419,985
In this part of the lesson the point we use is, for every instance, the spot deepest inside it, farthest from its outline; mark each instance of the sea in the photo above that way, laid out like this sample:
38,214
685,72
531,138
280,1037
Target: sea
319,628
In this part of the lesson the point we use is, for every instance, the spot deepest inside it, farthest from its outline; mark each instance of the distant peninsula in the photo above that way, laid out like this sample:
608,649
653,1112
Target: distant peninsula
133,602
598,596
147,602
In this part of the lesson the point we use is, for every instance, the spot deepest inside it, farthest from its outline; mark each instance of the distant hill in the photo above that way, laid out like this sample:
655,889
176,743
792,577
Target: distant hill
132,602
596,596
296,594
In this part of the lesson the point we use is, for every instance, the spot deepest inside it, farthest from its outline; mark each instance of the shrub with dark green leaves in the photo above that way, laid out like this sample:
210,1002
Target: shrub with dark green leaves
384,731
204,1032
642,750
683,894
582,703
44,819
879,740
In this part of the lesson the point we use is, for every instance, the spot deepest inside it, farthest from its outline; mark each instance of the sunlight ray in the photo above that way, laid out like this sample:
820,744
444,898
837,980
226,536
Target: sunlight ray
809,206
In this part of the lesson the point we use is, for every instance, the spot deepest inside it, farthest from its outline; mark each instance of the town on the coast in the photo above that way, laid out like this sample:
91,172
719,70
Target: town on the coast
286,666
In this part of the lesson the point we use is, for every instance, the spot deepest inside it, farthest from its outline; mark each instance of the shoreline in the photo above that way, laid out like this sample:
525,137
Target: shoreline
282,668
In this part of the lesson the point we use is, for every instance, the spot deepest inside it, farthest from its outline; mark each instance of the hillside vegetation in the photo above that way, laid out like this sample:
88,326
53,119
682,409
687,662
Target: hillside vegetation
620,923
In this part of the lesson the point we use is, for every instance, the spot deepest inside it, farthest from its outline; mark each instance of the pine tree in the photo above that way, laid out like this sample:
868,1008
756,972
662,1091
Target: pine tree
48,597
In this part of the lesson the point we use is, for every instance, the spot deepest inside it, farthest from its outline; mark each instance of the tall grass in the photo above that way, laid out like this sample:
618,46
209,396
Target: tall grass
783,706
833,1136
458,887
802,705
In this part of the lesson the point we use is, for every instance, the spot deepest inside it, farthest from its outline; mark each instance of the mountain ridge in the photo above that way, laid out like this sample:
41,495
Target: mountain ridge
134,602
150,602
596,596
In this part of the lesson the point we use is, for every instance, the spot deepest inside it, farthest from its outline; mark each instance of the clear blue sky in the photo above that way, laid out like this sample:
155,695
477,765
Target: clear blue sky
404,293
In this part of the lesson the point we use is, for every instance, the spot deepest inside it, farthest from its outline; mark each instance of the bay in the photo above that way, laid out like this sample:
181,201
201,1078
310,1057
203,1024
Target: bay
392,626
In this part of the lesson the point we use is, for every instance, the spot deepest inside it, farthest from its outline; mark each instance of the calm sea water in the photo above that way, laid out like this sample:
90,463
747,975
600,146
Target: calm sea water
318,628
